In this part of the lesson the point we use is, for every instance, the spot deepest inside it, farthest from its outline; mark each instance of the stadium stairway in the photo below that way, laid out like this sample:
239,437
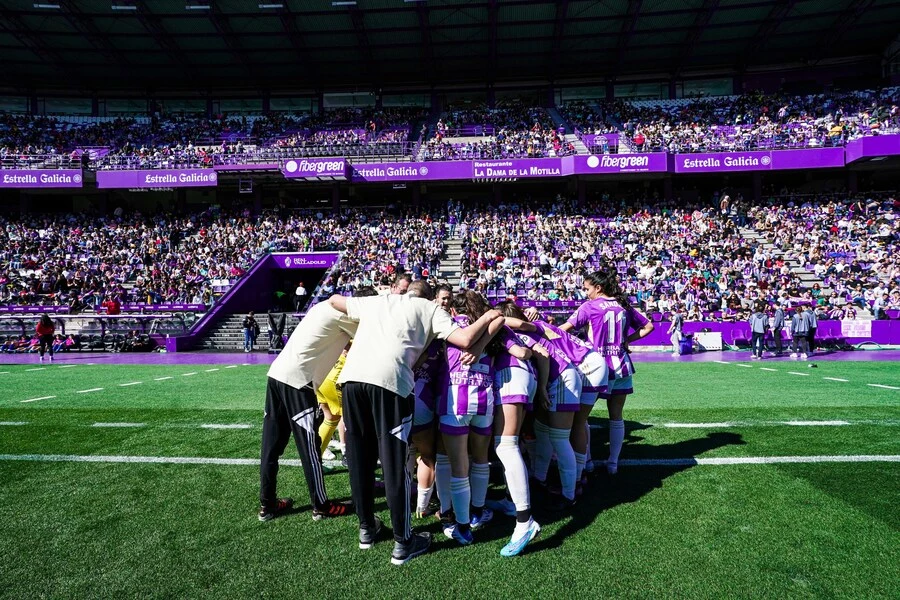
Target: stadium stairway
228,335
807,278
450,268
580,148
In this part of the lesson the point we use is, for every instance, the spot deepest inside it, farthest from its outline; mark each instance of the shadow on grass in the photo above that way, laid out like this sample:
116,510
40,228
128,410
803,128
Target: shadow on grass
604,492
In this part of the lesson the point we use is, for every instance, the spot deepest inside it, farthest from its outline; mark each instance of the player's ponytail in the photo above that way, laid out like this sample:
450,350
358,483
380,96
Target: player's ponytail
607,279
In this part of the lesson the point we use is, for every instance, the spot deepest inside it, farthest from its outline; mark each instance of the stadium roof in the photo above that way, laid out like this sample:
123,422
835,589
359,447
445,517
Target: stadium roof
310,45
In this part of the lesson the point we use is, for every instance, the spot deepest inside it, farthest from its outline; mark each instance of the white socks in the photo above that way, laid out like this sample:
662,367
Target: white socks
461,494
507,448
442,481
479,476
579,466
423,497
565,458
616,438
543,449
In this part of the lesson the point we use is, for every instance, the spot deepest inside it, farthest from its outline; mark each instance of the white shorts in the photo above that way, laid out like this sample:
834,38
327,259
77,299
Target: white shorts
464,424
595,375
565,391
515,386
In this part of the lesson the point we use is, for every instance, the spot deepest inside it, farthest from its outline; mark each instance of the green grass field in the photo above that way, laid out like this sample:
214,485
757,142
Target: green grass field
111,530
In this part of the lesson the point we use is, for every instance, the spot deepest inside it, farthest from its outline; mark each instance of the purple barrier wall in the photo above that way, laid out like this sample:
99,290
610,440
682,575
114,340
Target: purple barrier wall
37,308
315,168
718,162
144,307
304,260
159,178
853,332
871,146
40,178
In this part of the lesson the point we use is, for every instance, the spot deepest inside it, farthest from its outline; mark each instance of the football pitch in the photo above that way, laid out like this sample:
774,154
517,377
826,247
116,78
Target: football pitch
737,479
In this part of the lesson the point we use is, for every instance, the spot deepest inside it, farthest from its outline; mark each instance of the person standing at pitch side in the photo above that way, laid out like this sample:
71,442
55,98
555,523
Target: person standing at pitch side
377,381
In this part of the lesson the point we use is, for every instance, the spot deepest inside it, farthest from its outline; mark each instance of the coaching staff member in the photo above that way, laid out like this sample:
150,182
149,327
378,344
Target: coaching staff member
291,406
377,381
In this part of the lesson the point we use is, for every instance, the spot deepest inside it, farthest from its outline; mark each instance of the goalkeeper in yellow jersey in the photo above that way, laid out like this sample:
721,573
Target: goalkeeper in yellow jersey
329,396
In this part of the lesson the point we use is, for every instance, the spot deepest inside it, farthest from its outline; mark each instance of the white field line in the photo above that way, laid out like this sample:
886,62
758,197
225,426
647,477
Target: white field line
817,423
768,369
697,425
647,462
231,367
67,366
118,425
36,399
210,370
89,391
227,426
132,383
884,387
36,369
188,374
798,373
13,423
745,366
837,379
722,362
4,372
161,378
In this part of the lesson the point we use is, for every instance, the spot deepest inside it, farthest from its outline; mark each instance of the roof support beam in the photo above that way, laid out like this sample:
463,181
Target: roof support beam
362,39
223,26
700,23
559,26
163,39
779,11
842,25
628,24
85,26
32,41
425,29
493,12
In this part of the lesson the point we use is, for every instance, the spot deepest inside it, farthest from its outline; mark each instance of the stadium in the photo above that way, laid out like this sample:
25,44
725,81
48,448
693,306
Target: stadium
693,204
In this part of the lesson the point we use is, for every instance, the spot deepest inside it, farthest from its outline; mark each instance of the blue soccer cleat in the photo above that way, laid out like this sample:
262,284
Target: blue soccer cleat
517,545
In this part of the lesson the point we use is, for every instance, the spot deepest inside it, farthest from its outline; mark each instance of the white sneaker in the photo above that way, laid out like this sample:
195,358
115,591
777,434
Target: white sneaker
803,357
793,355
328,455
41,359
675,354
334,445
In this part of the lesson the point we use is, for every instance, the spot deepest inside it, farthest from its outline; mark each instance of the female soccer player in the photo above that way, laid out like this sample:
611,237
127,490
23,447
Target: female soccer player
518,384
466,417
553,428
609,317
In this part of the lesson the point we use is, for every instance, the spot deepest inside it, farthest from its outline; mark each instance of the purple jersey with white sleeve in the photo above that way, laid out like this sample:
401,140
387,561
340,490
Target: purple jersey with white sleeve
469,388
608,324
573,348
428,376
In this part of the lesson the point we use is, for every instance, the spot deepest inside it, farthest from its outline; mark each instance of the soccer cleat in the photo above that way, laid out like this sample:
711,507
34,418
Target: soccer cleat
612,468
328,454
344,462
332,509
479,522
503,507
282,505
561,504
416,545
463,537
793,355
804,356
589,467
517,544
41,359
368,536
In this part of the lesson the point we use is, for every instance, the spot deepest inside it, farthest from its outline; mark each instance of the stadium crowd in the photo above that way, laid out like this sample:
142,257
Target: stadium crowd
746,122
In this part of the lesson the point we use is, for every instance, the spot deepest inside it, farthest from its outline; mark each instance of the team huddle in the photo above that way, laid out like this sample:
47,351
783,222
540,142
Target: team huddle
428,384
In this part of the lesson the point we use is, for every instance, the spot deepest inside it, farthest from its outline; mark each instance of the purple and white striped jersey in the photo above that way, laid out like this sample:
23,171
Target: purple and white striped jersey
429,385
608,326
469,388
505,360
